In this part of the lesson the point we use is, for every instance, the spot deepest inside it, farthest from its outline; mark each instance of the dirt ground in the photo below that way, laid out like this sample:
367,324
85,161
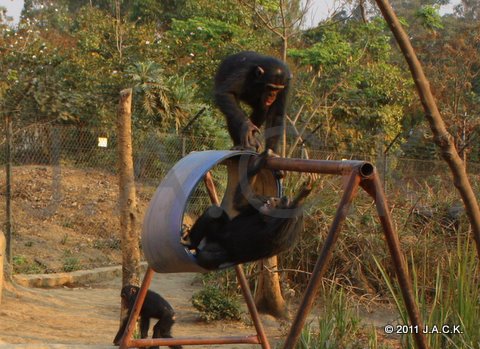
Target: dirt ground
67,219
90,314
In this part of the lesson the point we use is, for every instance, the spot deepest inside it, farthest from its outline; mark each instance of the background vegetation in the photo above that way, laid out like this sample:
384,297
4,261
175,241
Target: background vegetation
66,61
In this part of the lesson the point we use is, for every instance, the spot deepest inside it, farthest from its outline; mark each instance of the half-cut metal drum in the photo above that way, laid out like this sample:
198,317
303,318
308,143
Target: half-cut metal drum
163,222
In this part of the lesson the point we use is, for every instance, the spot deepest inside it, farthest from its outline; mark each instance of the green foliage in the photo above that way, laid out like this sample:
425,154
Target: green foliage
24,265
354,74
218,299
67,61
227,11
198,44
430,17
213,304
330,51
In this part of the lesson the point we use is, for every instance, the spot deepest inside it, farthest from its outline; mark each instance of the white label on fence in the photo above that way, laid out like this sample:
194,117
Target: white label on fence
102,142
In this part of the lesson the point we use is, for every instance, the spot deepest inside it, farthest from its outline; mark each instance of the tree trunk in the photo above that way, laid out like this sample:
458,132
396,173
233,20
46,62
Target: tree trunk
441,136
268,297
2,258
127,197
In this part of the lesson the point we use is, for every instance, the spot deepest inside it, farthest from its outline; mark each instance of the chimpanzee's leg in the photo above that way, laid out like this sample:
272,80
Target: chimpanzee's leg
244,191
144,325
162,329
122,328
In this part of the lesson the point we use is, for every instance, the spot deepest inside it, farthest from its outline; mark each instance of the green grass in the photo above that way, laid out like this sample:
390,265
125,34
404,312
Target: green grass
455,299
337,325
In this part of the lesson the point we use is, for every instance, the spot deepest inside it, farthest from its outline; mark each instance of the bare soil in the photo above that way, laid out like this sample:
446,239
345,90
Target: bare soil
90,314
67,219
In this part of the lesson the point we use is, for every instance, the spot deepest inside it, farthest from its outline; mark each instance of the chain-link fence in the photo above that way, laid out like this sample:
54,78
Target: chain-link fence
64,182
155,153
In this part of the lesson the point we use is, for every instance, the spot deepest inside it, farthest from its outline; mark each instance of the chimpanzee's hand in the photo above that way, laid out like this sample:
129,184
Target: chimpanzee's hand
248,136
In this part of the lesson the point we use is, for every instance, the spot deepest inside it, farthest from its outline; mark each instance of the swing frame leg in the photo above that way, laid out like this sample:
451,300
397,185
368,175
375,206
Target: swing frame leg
128,342
362,174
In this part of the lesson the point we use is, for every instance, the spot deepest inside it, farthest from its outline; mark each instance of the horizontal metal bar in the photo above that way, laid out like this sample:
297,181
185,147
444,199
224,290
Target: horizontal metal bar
341,167
147,342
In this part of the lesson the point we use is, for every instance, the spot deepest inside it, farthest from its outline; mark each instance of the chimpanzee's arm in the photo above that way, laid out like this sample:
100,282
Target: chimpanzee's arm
243,192
304,192
240,128
275,122
122,328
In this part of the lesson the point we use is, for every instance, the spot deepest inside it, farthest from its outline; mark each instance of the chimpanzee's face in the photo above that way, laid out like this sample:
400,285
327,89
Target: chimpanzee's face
274,80
270,96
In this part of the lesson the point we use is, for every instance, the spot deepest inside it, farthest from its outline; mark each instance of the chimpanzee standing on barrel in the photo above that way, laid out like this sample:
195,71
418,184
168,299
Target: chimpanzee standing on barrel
262,83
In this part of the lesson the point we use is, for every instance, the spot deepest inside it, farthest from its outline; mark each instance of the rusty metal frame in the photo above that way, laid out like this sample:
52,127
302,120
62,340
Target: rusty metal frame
360,174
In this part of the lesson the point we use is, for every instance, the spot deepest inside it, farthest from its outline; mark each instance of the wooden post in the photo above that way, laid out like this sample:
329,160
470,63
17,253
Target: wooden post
2,256
127,197
8,190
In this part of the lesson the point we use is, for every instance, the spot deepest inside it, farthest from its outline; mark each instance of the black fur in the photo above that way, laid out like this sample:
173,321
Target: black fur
250,77
264,227
154,307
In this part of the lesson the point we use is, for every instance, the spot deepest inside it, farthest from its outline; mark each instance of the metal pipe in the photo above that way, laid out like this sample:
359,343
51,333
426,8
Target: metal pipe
137,307
212,193
8,190
373,187
338,167
322,262
262,336
148,342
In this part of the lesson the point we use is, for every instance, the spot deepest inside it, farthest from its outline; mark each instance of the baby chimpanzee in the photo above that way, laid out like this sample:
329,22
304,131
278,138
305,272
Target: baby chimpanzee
264,227
154,306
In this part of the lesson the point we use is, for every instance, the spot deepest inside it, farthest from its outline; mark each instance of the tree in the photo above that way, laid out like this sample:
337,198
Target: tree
361,96
450,56
283,18
442,137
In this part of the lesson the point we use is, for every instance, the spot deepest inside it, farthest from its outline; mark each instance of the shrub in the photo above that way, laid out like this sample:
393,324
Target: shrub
213,305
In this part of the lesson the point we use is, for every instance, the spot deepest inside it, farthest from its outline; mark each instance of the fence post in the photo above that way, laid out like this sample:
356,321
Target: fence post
8,189
2,256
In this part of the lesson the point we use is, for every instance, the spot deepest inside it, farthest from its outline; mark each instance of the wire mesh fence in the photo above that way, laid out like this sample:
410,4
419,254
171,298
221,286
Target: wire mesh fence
155,153
64,181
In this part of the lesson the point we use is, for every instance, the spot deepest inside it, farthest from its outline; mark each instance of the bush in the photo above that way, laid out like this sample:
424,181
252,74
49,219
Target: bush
213,305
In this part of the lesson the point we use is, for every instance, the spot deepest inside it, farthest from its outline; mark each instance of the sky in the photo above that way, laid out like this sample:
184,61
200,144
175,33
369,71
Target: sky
14,7
319,10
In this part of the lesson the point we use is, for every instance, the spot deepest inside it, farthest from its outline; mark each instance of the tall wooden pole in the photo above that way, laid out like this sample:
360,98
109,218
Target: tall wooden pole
127,197
8,190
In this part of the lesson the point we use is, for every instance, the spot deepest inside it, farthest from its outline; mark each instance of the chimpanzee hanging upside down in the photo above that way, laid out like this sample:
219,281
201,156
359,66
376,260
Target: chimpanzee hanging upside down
264,227
154,307
262,83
